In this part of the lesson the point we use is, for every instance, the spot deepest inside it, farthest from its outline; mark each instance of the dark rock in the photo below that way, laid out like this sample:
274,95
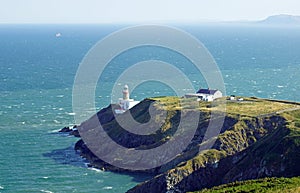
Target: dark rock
65,130
75,133
72,131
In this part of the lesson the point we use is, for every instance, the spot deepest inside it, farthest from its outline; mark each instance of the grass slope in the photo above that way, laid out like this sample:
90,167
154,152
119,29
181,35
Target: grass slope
266,185
291,143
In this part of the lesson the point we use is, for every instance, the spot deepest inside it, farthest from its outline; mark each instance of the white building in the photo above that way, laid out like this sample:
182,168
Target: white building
206,95
125,103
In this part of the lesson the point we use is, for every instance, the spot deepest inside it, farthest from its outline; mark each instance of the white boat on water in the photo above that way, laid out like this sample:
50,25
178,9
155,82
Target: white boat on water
58,35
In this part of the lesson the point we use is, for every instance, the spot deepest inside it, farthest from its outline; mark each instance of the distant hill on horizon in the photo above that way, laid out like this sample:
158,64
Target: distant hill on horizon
282,19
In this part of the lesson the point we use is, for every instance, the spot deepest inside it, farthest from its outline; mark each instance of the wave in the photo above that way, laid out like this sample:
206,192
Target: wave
56,121
46,191
107,188
95,169
54,131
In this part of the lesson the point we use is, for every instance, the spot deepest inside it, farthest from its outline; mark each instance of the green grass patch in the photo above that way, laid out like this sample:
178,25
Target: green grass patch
252,107
266,185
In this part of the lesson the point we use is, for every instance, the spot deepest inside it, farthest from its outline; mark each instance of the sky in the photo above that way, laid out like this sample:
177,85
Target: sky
139,11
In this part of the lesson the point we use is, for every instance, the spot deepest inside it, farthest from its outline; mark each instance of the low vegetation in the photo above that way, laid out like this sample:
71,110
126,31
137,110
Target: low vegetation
252,107
266,185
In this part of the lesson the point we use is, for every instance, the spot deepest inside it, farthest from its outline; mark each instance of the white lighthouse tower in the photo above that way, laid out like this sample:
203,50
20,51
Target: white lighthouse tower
126,92
125,103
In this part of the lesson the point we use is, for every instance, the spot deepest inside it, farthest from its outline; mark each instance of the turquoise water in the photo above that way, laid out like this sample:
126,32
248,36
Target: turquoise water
36,76
34,158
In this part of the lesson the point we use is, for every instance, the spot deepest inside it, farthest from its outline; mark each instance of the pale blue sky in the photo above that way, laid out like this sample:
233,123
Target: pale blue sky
118,11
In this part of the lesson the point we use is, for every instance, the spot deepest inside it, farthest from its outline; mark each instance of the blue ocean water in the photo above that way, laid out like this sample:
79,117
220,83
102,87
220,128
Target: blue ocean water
37,71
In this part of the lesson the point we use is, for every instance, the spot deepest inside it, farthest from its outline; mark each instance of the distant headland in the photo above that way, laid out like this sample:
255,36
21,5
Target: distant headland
282,19
273,20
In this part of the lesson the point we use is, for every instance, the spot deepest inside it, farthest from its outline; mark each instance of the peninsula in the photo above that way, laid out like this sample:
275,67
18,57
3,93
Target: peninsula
260,138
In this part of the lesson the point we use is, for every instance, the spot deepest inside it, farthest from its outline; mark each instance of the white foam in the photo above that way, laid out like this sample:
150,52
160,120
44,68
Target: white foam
95,169
47,191
56,121
1,187
17,106
71,114
60,96
107,188
280,86
53,131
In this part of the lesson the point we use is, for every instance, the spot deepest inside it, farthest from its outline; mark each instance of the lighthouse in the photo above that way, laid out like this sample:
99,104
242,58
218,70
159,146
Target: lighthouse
125,103
126,92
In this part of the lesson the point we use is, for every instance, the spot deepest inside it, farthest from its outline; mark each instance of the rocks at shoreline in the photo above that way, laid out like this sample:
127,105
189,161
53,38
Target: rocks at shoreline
65,130
71,131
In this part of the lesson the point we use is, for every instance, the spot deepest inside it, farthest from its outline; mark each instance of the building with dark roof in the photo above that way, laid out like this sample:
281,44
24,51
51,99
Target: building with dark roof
206,94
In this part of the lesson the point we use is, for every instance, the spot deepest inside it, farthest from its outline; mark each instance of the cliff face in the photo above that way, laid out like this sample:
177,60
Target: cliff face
248,147
253,151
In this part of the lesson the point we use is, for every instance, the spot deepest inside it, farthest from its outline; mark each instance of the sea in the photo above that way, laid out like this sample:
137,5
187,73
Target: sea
38,64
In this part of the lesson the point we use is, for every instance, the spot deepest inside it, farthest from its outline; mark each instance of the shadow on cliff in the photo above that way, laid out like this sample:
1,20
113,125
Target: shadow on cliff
68,156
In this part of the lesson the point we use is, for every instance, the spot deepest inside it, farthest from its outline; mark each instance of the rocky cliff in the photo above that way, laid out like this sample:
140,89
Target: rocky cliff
259,138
